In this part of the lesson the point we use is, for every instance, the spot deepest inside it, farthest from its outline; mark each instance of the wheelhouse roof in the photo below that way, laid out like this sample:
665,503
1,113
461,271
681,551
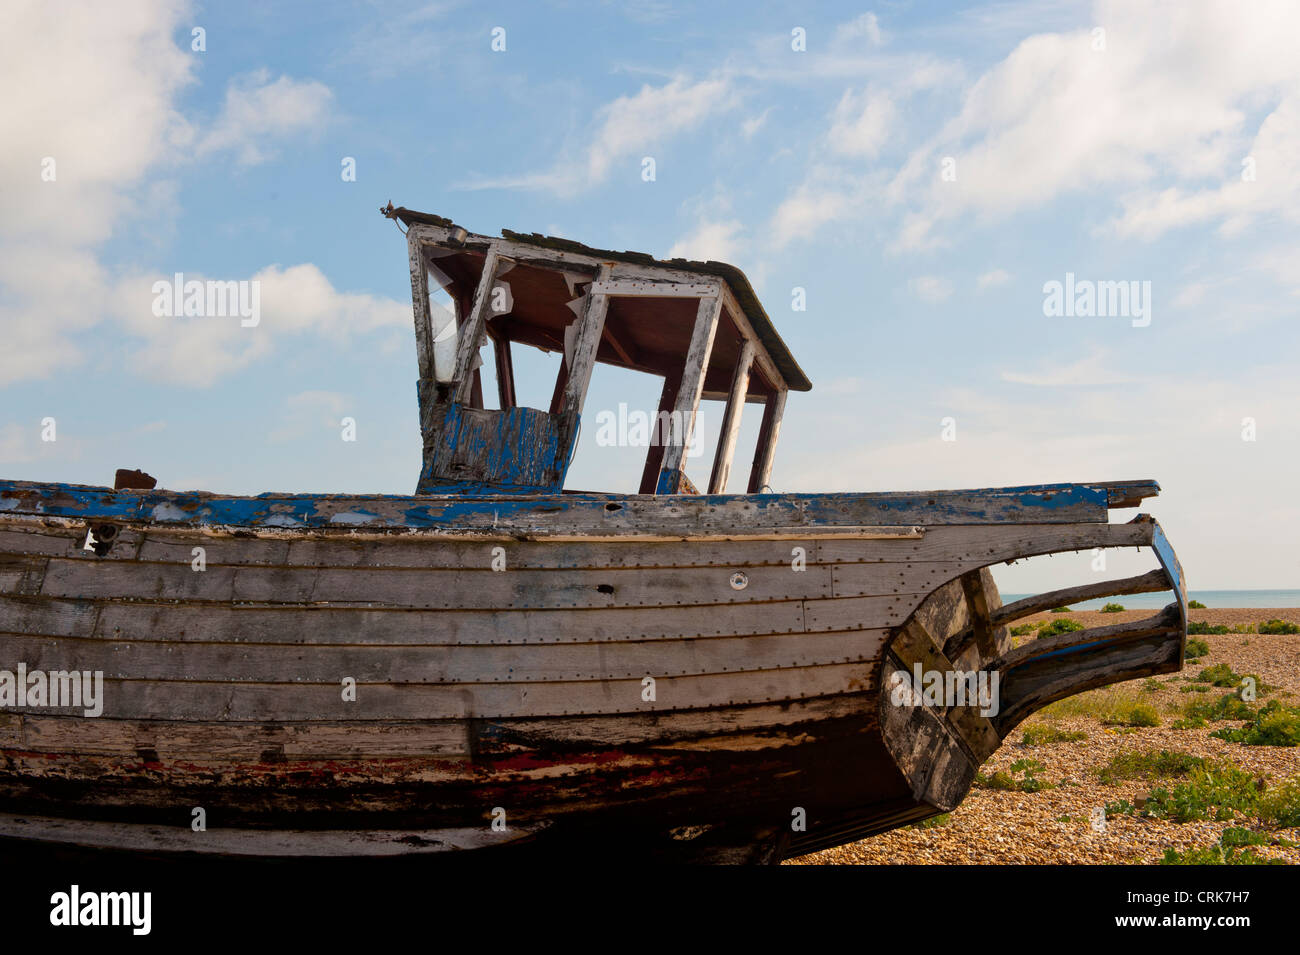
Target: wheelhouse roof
744,294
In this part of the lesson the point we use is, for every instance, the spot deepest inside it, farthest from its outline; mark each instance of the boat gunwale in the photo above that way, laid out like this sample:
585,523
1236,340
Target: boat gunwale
580,516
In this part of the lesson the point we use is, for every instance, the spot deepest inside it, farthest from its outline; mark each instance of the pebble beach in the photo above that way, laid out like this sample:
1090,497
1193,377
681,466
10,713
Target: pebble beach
1057,825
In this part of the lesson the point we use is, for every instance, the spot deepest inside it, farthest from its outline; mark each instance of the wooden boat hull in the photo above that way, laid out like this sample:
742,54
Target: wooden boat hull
700,678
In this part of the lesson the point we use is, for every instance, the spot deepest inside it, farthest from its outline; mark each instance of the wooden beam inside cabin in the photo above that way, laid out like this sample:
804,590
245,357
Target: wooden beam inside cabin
764,361
765,452
731,420
505,372
472,331
650,289
687,405
561,385
590,329
655,456
614,343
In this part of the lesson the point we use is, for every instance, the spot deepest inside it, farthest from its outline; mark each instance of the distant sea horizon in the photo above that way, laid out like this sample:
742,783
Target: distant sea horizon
1213,599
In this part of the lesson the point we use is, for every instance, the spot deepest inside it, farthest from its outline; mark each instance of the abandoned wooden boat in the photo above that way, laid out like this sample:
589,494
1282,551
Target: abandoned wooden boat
497,661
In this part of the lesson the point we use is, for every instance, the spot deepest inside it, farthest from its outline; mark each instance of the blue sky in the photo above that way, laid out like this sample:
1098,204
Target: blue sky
1163,149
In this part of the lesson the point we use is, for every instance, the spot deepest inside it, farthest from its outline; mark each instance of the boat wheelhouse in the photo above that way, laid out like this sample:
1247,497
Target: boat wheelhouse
697,325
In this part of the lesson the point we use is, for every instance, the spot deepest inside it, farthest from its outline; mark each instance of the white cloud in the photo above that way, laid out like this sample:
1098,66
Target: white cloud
1169,98
993,279
1094,370
865,27
258,113
1191,295
1263,184
717,240
91,88
931,289
196,351
99,85
628,129
387,43
1162,118
752,125
838,185
861,122
826,195
308,413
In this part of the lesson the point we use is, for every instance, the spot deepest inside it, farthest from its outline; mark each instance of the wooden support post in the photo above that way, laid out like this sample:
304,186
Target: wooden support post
420,303
768,433
655,456
505,372
731,420
575,373
688,395
914,645
981,618
584,350
615,344
426,385
472,330
1151,582
561,384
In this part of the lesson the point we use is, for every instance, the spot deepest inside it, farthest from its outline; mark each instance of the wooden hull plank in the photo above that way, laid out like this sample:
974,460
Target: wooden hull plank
291,625
415,589
215,740
470,664
259,702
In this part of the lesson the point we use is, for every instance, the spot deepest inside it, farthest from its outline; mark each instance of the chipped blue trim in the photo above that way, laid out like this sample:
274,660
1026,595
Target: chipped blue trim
1173,569
1056,503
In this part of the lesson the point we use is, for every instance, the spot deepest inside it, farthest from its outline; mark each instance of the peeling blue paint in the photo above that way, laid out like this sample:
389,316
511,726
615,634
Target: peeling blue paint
515,451
1173,569
1057,503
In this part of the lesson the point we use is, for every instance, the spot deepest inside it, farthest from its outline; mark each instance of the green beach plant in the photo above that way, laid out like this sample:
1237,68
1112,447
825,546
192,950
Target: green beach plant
1273,725
1133,764
1051,628
1133,714
1041,734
